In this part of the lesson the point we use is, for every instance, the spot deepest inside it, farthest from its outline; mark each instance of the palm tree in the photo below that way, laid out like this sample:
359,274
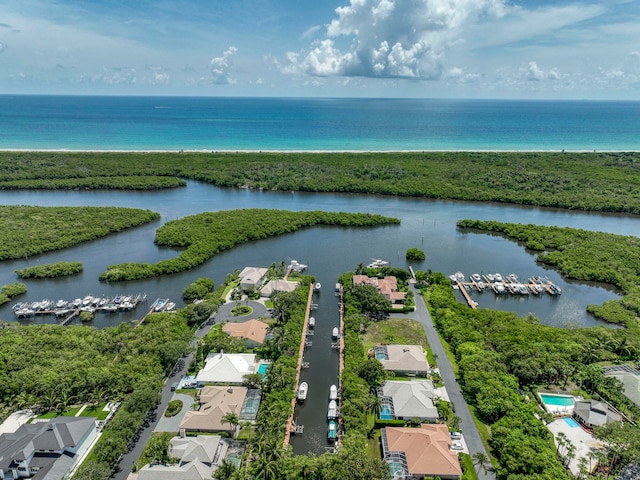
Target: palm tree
481,460
232,419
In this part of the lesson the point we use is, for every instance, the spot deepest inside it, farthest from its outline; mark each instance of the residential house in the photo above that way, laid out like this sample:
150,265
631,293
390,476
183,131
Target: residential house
46,450
252,278
387,286
407,360
215,403
630,379
594,413
197,459
419,453
253,332
226,368
408,400
276,286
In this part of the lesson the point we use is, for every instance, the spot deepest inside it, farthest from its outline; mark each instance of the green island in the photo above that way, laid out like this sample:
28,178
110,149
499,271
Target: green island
583,255
605,181
11,290
134,182
51,270
55,228
204,235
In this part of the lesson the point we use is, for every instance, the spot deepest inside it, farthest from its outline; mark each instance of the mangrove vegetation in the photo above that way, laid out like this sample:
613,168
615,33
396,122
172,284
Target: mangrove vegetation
597,181
54,228
51,270
204,235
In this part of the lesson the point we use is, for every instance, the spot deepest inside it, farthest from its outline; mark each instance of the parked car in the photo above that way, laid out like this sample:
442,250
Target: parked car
456,446
456,435
174,386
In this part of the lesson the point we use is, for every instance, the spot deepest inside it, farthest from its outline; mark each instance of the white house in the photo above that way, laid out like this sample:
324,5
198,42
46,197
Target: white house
252,278
403,400
226,368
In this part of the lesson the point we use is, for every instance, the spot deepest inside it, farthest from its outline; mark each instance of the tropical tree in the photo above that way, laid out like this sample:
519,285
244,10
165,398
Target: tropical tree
232,419
481,461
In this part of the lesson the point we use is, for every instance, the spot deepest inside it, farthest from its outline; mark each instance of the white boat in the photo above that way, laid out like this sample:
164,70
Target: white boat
377,263
475,277
302,391
316,287
498,277
76,303
312,322
61,303
159,306
297,266
481,286
337,289
332,411
459,276
333,393
335,333
490,277
87,300
499,288
170,306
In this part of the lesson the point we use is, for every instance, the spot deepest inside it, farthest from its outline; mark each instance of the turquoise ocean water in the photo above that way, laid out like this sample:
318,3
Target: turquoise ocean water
221,123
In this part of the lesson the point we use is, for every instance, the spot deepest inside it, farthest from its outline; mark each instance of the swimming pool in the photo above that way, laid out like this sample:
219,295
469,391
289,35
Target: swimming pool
571,422
262,369
385,413
556,400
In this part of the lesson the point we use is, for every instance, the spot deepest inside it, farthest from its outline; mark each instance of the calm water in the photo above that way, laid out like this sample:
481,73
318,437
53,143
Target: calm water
209,123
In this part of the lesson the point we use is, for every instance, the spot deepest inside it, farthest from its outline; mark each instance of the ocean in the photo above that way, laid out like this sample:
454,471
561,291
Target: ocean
43,122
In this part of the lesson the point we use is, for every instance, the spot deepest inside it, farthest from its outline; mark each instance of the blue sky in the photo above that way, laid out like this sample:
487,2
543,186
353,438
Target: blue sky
324,48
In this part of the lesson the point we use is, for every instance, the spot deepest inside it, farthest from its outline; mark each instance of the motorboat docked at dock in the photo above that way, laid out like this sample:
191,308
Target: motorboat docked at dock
333,393
335,333
317,286
312,322
332,411
302,391
297,266
377,263
332,432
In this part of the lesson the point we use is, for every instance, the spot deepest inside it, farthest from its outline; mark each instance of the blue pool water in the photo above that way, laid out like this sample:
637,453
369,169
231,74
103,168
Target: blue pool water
381,356
556,400
385,414
262,369
571,422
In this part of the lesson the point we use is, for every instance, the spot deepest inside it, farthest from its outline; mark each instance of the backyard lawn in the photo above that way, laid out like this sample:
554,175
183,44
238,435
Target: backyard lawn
395,331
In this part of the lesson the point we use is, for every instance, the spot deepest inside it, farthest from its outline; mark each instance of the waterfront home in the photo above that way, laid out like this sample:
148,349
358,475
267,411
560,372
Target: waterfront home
252,278
197,458
402,400
215,403
46,449
630,379
276,286
252,332
407,360
387,286
594,413
226,368
423,452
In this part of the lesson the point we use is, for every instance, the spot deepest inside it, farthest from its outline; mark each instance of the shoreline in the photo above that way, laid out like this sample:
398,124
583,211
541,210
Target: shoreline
65,150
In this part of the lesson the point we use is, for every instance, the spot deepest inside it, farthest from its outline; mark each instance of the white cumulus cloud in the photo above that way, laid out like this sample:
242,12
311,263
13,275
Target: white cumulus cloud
221,67
391,38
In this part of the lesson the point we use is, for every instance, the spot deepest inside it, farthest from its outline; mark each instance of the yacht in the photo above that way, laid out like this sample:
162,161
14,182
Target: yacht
312,322
302,391
475,277
490,277
498,277
316,287
335,333
377,263
333,393
332,411
297,266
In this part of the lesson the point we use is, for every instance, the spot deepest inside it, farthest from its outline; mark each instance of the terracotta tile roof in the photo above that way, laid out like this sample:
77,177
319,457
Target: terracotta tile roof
251,330
427,449
216,402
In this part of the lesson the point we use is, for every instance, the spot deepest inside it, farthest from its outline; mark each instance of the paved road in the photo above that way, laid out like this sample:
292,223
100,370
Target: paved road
468,427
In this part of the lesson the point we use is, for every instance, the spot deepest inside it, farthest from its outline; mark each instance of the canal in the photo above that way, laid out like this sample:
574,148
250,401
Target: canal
323,371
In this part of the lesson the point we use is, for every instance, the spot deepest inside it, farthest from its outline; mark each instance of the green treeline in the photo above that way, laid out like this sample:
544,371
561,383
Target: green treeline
204,235
501,360
608,182
138,182
54,228
51,270
583,255
11,290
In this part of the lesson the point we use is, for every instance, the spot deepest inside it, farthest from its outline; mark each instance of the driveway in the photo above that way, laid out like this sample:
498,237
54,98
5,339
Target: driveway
172,424
471,436
581,439
224,312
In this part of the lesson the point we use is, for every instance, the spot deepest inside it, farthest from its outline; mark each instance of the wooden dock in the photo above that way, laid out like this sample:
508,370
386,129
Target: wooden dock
466,295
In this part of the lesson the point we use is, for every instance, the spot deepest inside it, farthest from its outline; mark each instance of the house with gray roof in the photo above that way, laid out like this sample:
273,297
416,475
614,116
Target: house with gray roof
198,458
594,413
407,360
46,450
252,277
403,400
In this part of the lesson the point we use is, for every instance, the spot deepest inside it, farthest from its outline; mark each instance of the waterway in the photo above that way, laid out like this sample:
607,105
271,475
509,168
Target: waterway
426,224
323,372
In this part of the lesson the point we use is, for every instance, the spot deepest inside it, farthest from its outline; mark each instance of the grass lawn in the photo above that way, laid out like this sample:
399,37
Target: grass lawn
69,412
98,412
395,331
230,287
373,446
468,468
